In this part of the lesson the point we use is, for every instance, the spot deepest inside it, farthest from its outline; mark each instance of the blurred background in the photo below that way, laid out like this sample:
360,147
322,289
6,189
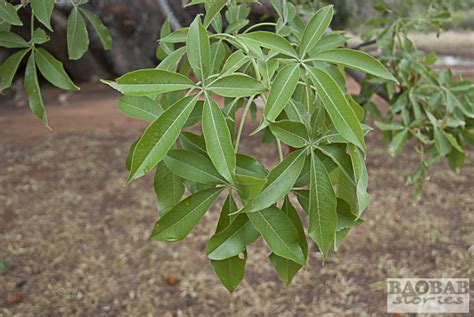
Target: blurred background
73,241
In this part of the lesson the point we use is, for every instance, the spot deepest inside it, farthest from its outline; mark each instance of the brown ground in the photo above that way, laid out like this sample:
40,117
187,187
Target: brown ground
76,242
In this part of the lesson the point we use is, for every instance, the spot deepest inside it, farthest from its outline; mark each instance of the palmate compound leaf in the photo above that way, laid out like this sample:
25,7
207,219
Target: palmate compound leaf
341,113
279,233
285,268
178,222
160,136
280,180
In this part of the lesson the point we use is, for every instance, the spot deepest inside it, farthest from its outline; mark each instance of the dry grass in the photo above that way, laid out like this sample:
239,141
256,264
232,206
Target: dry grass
75,240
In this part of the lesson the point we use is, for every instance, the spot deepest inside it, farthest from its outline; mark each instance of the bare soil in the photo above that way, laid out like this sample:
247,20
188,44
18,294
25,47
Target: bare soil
75,241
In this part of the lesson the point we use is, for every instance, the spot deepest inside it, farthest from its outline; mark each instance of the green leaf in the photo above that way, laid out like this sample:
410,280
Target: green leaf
441,143
218,139
193,142
232,240
280,181
193,166
42,9
398,142
218,55
172,60
177,223
285,268
292,133
77,36
9,14
227,214
234,62
198,49
33,92
389,126
12,40
150,82
213,11
341,113
249,186
279,233
357,60
53,70
236,86
281,91
249,166
230,271
142,108
322,207
316,28
168,187
160,136
9,67
362,179
39,37
269,40
99,28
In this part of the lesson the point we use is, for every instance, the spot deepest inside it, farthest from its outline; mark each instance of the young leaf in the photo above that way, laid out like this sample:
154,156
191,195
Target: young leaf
77,36
218,139
322,207
269,40
292,133
193,166
99,28
281,91
39,37
357,60
142,108
9,67
316,28
160,136
341,113
9,14
236,86
33,92
168,187
53,70
198,49
12,40
42,9
279,233
232,240
280,181
150,82
177,223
